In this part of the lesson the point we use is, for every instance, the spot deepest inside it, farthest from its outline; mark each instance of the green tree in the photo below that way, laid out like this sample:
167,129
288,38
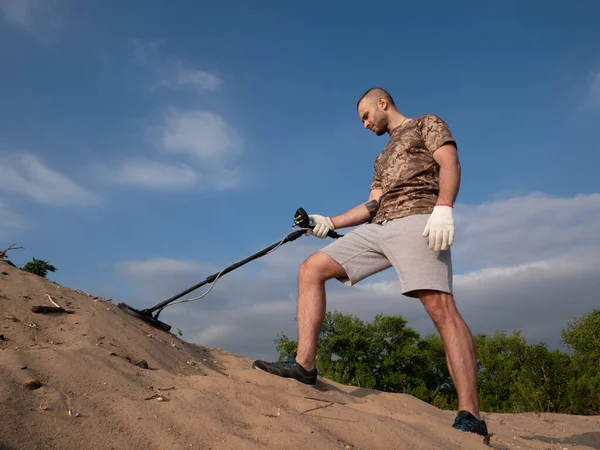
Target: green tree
442,391
39,267
500,359
542,382
582,336
513,376
583,392
400,356
285,346
383,354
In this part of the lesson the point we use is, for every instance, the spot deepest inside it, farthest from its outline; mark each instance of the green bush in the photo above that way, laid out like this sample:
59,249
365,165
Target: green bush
513,376
39,267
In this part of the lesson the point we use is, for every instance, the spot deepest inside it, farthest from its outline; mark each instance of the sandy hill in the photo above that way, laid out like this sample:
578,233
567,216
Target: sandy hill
96,392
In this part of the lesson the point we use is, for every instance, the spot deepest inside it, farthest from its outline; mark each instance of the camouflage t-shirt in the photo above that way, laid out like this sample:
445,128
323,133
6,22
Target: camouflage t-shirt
405,169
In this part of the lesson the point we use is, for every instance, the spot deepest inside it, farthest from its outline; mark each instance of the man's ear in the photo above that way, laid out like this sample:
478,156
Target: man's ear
383,104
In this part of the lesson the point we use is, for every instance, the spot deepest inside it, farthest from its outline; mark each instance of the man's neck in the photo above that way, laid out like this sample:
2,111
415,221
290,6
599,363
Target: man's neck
395,120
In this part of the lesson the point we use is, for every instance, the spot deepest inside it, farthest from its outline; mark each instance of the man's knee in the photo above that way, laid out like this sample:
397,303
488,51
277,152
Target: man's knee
320,267
439,305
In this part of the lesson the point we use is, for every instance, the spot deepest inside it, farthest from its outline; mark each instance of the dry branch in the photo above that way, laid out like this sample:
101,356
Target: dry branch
318,407
5,251
321,400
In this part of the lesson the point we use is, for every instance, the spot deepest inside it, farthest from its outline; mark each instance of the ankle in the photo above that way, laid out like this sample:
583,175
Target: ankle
474,412
304,362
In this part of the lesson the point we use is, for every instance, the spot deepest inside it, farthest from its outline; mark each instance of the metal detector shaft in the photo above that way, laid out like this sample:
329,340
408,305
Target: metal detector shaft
301,220
291,237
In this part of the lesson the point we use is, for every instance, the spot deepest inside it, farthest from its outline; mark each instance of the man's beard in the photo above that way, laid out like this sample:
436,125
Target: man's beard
381,124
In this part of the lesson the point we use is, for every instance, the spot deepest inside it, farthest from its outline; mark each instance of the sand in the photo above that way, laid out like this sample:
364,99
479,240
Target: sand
90,393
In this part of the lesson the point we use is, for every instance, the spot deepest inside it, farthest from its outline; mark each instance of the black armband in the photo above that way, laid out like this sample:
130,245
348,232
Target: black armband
372,207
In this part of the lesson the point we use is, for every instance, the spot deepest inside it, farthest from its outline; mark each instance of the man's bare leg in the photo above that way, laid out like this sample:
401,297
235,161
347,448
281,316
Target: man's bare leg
312,275
459,346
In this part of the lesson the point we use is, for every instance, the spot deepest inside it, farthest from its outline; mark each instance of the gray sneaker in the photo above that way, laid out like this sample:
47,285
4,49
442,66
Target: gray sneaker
288,369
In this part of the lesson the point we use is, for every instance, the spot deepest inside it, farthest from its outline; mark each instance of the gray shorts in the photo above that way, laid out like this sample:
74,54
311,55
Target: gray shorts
397,243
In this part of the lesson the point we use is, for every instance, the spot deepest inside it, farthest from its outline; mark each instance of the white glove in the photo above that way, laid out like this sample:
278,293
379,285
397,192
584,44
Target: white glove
322,226
440,228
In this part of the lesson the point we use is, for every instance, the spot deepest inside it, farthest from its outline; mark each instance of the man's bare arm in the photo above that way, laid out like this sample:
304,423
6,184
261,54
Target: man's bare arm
360,213
447,157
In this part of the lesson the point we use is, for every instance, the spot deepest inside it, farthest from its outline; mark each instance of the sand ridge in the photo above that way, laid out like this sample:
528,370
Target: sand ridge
110,381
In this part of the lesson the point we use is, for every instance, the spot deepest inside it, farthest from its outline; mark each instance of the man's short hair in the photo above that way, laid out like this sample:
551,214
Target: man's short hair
379,92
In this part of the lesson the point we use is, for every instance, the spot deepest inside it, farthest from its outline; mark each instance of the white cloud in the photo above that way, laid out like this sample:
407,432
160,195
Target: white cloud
154,174
179,75
30,14
144,52
538,298
523,287
201,134
523,229
210,144
156,267
212,150
215,333
158,278
25,174
594,93
20,12
170,72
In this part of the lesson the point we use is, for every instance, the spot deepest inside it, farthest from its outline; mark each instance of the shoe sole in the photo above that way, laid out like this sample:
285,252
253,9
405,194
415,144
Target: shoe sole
286,378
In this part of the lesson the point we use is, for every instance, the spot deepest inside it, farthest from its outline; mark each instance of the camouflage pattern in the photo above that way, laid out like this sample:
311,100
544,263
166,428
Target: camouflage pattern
405,169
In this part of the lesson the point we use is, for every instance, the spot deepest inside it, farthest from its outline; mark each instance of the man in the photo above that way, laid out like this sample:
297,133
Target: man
408,224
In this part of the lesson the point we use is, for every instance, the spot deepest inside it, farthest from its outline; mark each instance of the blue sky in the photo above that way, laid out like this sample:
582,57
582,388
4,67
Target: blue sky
145,146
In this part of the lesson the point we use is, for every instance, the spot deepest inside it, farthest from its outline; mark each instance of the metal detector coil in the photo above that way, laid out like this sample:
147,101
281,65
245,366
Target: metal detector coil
301,220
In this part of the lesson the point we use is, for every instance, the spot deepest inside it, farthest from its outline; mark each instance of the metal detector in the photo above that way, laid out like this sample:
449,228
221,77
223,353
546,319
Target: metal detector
301,220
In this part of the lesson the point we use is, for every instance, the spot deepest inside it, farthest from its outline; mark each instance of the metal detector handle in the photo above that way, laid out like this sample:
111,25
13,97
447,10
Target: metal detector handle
333,234
301,219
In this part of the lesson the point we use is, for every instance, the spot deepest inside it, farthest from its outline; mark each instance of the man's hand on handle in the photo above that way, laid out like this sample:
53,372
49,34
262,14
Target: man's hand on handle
440,228
322,226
